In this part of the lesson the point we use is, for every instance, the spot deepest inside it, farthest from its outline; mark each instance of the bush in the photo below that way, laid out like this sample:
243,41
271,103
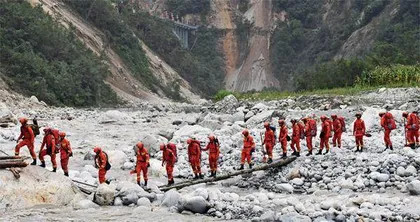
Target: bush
403,75
221,94
40,57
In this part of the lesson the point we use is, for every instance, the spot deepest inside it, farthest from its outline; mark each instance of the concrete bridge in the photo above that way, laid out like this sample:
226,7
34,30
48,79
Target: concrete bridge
183,31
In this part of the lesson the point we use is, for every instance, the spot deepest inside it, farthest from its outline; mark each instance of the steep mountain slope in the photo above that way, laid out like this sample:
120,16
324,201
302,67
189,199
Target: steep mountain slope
122,80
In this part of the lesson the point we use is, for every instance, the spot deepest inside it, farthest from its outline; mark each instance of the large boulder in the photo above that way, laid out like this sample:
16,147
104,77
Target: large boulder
117,158
414,187
370,117
260,118
114,116
228,104
171,198
196,204
294,217
189,131
151,143
104,195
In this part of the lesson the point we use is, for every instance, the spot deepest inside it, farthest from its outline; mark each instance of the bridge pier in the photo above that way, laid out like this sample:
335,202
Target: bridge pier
182,32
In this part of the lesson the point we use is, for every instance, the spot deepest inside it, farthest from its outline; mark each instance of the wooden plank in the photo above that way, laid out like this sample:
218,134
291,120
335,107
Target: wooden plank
10,157
10,164
275,164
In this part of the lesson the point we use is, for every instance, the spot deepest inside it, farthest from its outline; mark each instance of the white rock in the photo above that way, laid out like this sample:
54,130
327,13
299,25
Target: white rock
114,116
152,144
187,131
195,204
414,187
171,198
33,99
143,202
249,115
297,181
294,217
346,184
104,195
400,171
201,192
117,158
410,171
367,205
285,187
267,216
259,107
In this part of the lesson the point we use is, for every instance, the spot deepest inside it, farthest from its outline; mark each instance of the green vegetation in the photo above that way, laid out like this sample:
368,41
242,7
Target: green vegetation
396,74
311,44
183,7
40,57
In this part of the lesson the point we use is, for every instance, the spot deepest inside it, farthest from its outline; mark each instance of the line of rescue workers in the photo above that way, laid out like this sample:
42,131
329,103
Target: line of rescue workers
55,142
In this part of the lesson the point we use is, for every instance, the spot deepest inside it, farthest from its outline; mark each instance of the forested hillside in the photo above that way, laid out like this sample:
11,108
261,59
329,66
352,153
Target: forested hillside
40,57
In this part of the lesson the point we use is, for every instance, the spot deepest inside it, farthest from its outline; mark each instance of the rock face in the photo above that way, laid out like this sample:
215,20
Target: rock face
104,195
36,185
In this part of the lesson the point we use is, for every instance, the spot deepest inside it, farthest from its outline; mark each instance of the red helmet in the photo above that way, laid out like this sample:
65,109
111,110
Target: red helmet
47,129
405,114
162,146
23,120
334,116
97,149
62,134
211,137
323,117
189,141
266,124
140,145
245,132
281,121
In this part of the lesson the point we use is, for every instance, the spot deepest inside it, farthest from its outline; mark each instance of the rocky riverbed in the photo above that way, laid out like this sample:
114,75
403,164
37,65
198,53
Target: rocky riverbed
341,186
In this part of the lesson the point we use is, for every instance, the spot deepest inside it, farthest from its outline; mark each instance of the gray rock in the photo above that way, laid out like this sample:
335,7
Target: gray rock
400,171
410,171
104,195
195,204
118,201
249,115
268,216
294,217
298,181
152,144
130,199
171,198
414,187
143,202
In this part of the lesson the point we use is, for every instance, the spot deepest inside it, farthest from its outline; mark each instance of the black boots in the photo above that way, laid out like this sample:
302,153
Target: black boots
66,174
33,162
413,146
309,153
319,152
242,167
195,176
297,154
326,151
138,183
42,164
284,156
145,183
54,170
270,160
250,165
294,153
170,182
213,174
201,176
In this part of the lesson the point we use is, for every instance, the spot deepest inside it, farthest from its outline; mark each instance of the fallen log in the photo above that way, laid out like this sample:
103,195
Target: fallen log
275,164
12,164
83,183
15,172
10,157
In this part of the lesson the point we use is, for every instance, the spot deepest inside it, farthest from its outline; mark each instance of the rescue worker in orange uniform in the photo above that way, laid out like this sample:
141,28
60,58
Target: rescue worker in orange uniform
324,136
283,137
101,160
248,148
412,128
28,139
386,124
337,129
269,141
65,152
295,138
417,134
168,159
310,132
142,163
50,143
359,131
214,150
194,157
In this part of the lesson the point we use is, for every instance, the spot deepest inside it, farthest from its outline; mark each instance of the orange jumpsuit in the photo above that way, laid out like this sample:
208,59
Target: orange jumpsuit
214,152
295,137
412,127
142,163
172,147
337,132
169,159
49,142
28,139
359,131
388,129
326,130
101,160
194,156
65,151
269,142
283,138
249,144
310,124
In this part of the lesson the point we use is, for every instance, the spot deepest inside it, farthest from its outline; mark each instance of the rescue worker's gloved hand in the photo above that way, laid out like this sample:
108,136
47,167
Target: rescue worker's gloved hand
148,165
70,154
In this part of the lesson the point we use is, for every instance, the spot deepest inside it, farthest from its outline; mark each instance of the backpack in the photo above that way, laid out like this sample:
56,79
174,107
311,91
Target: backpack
312,126
390,121
343,124
172,147
274,131
301,130
108,165
35,127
